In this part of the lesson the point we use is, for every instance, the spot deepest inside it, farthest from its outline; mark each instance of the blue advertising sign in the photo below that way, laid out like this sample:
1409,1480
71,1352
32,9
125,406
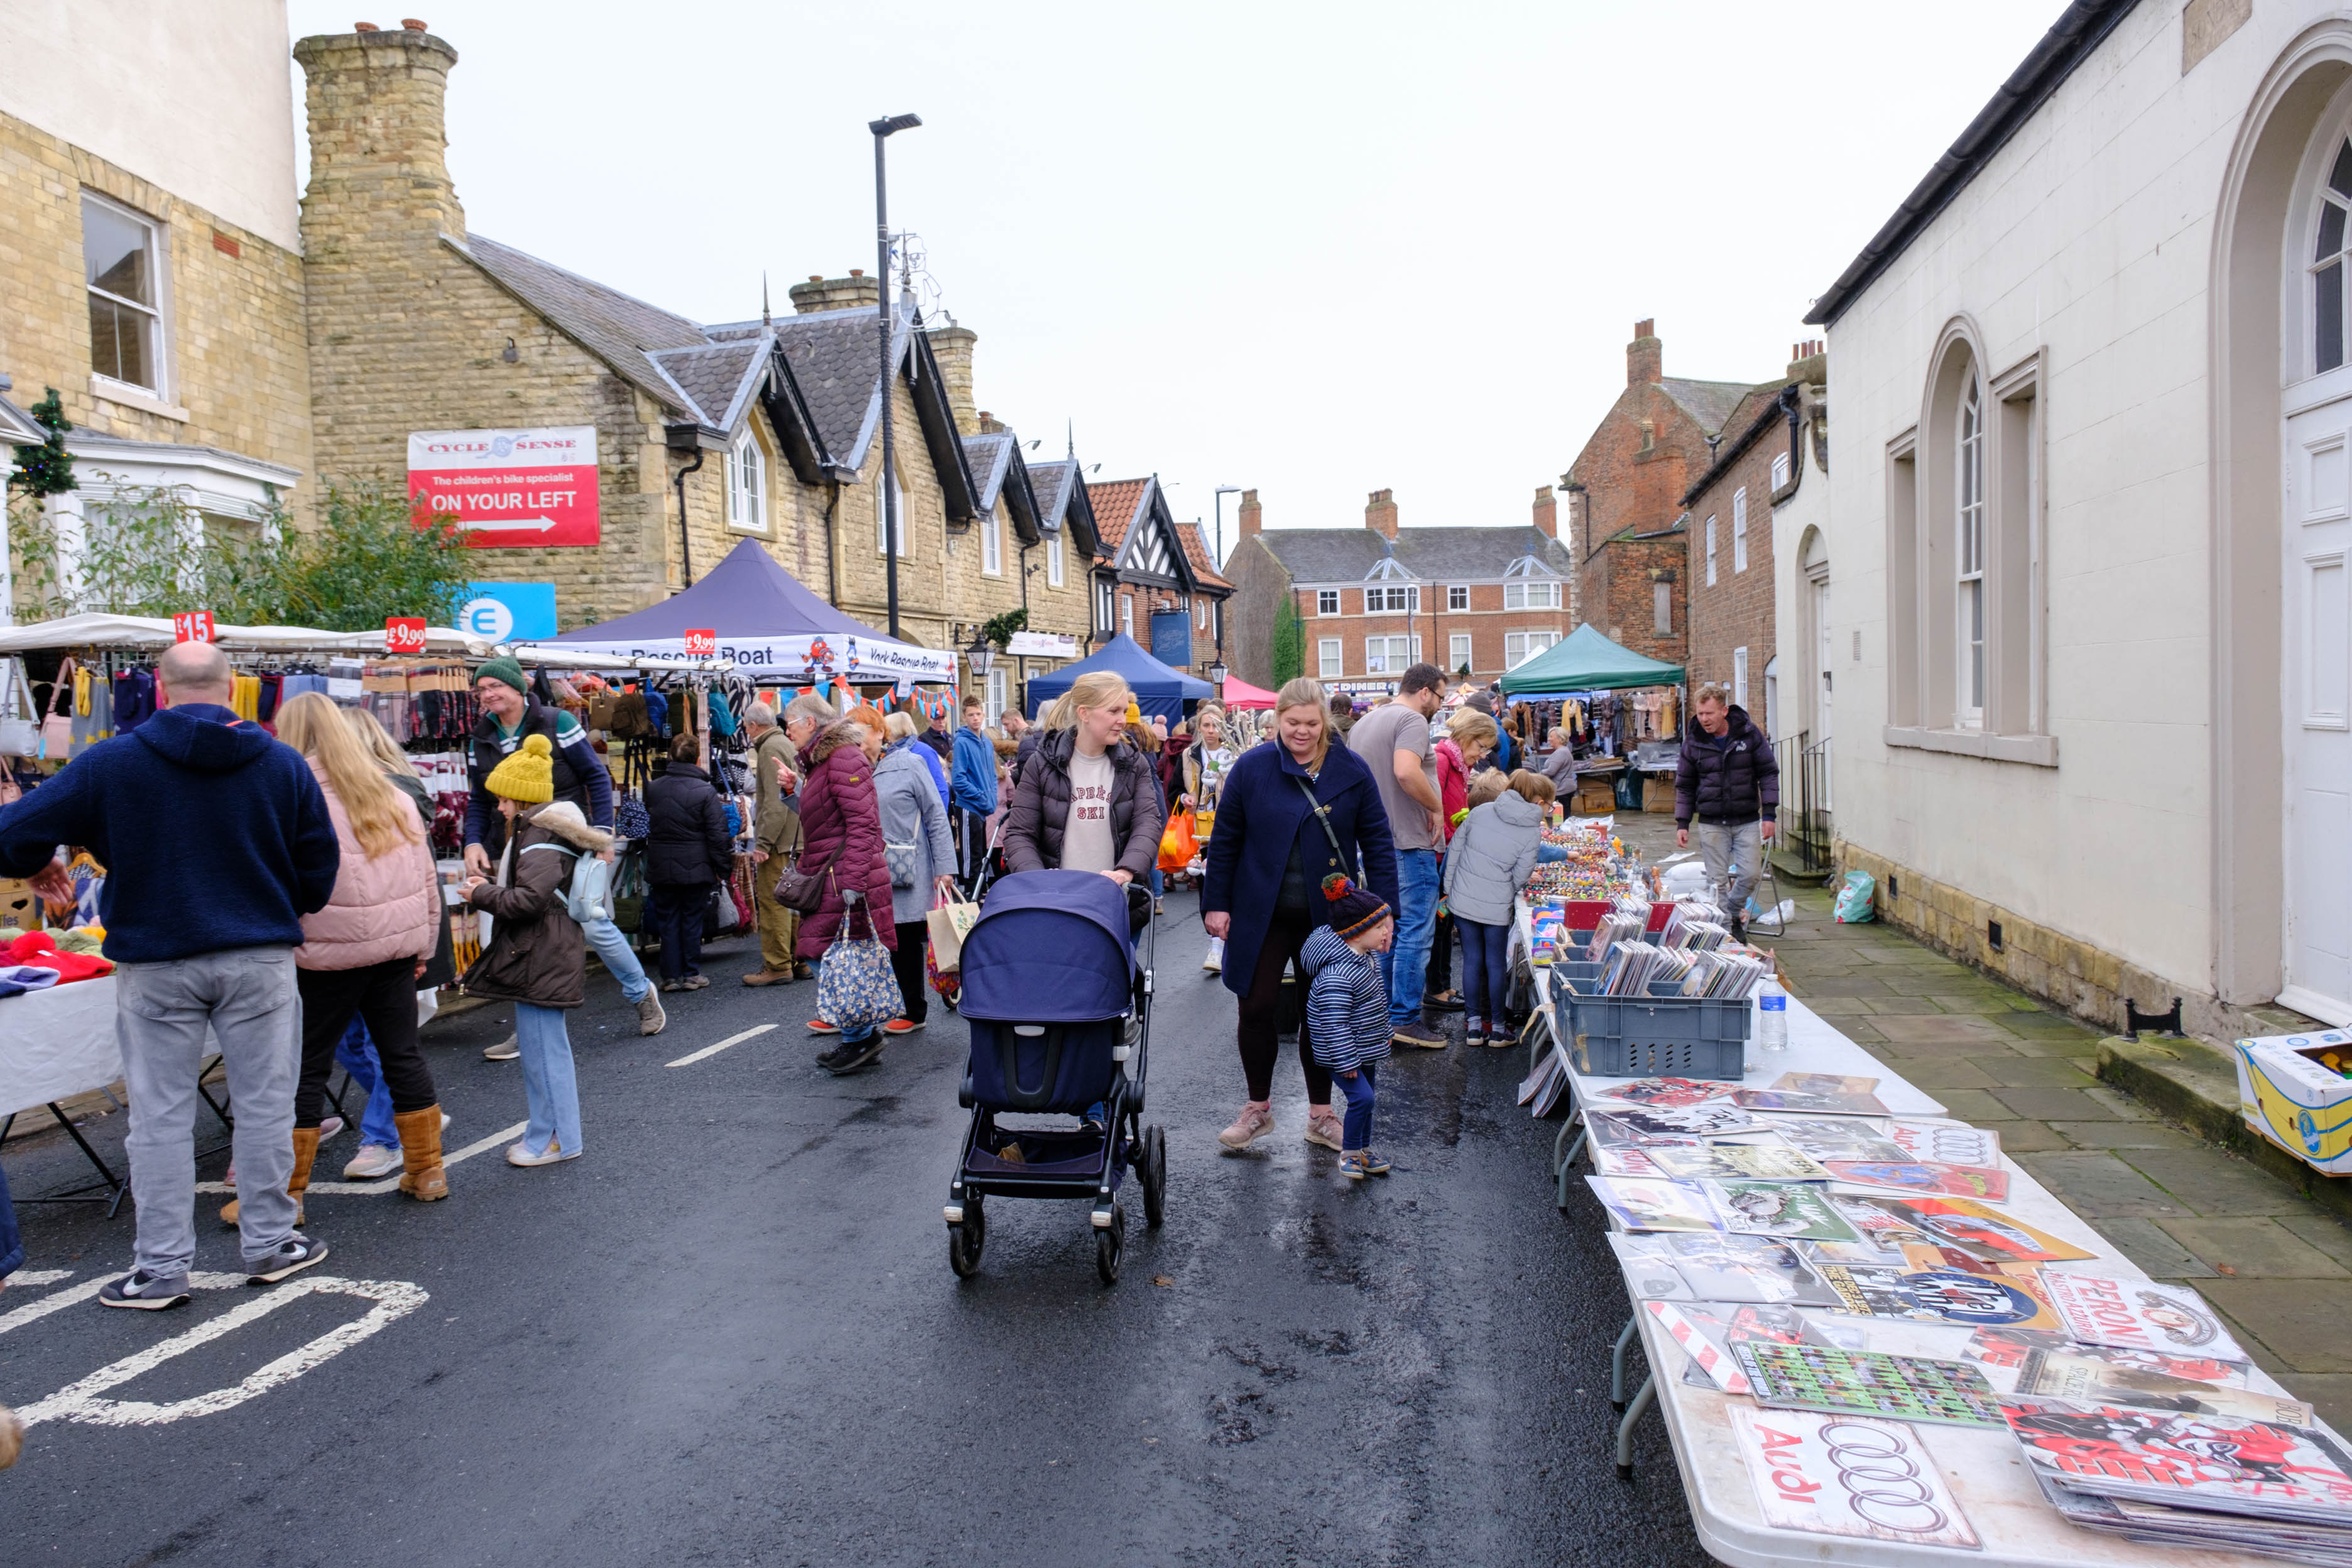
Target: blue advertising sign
1171,638
509,612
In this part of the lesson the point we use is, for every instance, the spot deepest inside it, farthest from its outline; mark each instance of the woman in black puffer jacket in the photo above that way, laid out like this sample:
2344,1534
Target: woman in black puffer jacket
1116,830
688,853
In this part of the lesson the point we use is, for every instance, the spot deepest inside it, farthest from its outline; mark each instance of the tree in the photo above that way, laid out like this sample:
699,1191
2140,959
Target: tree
1289,644
45,469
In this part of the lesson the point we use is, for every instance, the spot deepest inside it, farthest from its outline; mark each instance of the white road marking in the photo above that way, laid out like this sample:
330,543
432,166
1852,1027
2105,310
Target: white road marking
24,1277
392,1184
48,1304
80,1402
714,1050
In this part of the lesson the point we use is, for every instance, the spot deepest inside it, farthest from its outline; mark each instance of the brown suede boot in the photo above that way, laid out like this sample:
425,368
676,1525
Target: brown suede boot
424,1178
306,1149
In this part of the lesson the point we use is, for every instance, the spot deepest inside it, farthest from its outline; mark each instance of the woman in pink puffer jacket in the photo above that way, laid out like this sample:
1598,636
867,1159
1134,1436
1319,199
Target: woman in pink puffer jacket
363,953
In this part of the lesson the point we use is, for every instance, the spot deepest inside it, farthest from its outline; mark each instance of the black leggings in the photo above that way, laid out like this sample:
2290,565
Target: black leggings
906,963
1259,1030
384,997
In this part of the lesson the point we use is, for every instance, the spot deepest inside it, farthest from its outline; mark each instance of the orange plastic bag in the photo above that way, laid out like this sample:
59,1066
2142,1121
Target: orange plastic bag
1176,846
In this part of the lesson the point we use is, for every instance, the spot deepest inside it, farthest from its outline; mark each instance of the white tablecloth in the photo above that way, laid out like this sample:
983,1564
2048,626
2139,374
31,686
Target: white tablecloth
58,1042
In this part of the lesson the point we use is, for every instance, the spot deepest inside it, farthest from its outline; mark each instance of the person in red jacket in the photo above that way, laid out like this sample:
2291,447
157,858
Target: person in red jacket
1469,736
840,827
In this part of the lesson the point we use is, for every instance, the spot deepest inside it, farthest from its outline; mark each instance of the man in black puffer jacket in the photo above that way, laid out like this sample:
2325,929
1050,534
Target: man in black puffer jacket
1728,780
688,853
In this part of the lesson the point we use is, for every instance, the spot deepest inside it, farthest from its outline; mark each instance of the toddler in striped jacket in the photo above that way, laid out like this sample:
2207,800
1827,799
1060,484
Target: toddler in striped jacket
1348,1010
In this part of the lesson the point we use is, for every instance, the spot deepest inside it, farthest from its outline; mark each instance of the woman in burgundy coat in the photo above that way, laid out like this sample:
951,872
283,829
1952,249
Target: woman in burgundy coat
841,824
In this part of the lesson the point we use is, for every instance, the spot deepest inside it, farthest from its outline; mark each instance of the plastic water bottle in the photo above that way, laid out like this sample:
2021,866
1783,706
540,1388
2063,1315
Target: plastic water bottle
1771,1017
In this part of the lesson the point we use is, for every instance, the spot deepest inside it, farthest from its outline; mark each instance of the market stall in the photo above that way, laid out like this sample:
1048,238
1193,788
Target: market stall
1160,689
1240,696
1621,708
1873,1336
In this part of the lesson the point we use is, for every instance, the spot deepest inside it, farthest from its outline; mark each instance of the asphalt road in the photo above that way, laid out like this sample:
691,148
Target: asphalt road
728,1334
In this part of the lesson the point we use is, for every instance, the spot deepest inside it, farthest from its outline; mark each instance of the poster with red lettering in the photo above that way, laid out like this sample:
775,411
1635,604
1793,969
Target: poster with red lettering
509,489
1848,1475
2137,1315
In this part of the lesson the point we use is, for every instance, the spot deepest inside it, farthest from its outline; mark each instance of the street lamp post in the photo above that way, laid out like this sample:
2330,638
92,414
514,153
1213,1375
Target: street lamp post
882,131
1219,548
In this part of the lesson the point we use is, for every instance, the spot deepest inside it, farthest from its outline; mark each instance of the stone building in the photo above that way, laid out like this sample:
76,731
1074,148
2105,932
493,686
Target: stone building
1626,491
1153,580
1375,599
2087,551
1729,518
154,278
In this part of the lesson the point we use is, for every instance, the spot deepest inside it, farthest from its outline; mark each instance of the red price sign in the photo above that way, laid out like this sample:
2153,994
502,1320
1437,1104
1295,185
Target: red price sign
404,634
193,626
701,644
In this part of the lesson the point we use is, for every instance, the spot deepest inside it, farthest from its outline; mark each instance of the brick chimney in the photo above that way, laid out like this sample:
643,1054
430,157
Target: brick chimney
1645,356
1547,512
1380,513
836,293
989,425
1809,362
374,102
1251,515
951,346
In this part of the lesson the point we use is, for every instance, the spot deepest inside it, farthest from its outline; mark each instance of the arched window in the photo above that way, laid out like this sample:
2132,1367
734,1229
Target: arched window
747,484
2327,266
1968,558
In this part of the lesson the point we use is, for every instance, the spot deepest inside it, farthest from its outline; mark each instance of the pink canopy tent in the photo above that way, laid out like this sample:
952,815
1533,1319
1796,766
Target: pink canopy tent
1240,693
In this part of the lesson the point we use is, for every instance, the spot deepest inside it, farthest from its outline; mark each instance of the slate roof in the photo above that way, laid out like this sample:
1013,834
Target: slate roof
716,378
1430,554
1709,402
619,328
1064,501
990,457
1117,505
832,357
1196,551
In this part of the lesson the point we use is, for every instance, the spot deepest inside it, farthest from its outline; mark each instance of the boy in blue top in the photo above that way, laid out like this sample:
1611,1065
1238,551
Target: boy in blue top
1348,1010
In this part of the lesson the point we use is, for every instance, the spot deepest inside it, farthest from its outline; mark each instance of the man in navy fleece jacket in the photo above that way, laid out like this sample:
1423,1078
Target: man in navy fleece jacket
216,842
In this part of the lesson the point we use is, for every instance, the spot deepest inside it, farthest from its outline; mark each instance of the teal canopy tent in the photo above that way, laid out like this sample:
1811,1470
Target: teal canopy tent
1588,662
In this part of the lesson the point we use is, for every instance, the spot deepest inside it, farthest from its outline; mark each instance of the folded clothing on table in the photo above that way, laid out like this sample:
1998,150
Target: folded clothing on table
39,949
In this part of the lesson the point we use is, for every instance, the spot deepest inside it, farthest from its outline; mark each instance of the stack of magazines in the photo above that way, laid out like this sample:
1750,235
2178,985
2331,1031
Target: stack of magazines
1695,923
1645,969
1633,965
1733,973
2170,1478
1619,926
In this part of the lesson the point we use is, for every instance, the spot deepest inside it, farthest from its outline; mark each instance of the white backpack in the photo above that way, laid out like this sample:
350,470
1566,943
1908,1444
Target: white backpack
588,896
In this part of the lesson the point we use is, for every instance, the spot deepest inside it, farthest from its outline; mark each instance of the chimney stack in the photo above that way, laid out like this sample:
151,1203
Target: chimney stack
1547,512
1251,515
953,346
854,291
1645,356
1380,513
374,104
1809,362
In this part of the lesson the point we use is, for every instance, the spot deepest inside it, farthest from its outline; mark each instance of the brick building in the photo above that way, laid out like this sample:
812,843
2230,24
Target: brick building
1625,490
1733,629
1376,598
153,266
1153,580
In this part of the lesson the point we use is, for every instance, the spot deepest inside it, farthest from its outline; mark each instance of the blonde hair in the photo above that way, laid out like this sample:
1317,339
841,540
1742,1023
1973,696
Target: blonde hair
382,818
901,726
1533,786
1485,787
368,731
1095,688
1306,691
1472,728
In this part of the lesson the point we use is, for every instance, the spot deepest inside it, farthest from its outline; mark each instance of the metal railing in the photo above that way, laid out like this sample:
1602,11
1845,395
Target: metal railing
1805,835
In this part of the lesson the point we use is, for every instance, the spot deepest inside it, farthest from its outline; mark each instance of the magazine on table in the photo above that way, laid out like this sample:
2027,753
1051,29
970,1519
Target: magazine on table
1945,1143
1808,1104
2138,1314
2181,1460
2087,1379
1850,1476
1921,1176
1938,1295
1640,1206
1835,1138
1666,1125
1785,1209
1706,1267
2155,1524
1868,1383
1824,1083
1980,1231
1668,1092
1625,1160
1706,1330
1738,1162
2012,1348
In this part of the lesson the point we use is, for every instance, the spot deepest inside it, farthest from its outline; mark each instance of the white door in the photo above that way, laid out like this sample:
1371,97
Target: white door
1827,657
2317,617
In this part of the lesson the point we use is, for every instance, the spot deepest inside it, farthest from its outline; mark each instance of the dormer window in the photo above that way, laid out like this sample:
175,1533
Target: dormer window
747,485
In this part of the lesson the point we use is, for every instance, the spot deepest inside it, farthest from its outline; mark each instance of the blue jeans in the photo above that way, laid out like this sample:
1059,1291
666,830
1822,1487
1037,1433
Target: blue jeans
356,1054
548,1081
1357,1131
1486,970
1406,965
604,939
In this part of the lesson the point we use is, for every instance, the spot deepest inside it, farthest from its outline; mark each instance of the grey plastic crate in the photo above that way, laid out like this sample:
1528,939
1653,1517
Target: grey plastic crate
1654,1036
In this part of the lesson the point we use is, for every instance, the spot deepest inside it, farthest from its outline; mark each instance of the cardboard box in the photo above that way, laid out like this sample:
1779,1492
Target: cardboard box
19,909
1658,795
2290,1096
1595,799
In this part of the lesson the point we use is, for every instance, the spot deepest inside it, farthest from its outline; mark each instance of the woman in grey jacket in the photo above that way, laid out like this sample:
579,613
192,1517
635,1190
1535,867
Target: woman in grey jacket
921,851
1489,861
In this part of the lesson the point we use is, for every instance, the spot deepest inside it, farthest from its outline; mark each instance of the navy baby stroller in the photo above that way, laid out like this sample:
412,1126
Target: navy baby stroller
1060,1014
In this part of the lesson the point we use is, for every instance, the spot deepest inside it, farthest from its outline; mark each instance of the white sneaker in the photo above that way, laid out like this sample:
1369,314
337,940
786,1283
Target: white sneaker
505,1050
519,1154
1214,961
373,1159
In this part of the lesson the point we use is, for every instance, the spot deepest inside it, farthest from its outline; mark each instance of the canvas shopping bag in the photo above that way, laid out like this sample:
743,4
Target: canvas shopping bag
857,989
950,921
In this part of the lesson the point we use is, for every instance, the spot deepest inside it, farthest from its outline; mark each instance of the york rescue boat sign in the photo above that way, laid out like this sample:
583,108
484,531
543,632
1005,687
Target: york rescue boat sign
509,489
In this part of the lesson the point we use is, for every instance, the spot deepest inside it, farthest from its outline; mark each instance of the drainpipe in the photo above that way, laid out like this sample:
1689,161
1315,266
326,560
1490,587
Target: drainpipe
1792,405
685,542
831,552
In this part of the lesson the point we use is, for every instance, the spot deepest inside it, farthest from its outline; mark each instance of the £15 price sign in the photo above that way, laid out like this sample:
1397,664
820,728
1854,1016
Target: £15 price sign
193,626
404,634
701,643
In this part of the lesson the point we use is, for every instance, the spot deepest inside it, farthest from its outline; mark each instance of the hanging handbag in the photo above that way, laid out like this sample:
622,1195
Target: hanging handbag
800,889
949,922
902,860
20,716
629,818
857,989
56,729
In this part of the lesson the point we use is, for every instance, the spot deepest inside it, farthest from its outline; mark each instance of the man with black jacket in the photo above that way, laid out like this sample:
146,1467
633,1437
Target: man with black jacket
1729,779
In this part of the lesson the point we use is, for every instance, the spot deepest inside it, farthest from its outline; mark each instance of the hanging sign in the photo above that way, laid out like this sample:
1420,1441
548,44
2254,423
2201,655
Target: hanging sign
509,489
701,643
404,634
1041,645
193,626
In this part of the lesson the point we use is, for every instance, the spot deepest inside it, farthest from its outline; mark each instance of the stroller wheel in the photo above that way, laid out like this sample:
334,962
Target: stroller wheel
1110,1247
1154,1173
965,1241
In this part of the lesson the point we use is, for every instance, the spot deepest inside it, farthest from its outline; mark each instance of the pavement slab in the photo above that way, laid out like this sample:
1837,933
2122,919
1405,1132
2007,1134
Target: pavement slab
2298,1322
2255,1246
2098,1184
2056,1105
2035,1072
2325,1232
2122,1135
2213,1184
2155,1250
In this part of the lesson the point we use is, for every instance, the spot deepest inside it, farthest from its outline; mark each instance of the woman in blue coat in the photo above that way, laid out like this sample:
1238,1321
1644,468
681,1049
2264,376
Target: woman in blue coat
1270,852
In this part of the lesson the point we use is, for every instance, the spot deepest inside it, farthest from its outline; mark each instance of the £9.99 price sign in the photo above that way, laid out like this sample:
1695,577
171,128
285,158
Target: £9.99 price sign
507,489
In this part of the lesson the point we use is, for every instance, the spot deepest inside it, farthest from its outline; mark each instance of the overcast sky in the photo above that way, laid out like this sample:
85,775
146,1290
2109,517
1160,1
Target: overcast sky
1315,250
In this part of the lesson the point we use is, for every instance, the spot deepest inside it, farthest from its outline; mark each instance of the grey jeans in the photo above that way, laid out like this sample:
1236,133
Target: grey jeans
249,997
1734,851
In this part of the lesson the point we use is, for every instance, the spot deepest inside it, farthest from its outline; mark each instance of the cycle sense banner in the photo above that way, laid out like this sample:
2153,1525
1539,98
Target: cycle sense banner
509,489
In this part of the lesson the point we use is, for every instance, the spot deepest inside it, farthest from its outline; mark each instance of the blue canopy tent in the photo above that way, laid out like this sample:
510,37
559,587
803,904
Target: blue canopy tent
1159,688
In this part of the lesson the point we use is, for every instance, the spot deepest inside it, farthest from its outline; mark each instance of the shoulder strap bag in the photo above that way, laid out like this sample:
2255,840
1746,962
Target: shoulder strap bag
20,715
1322,815
56,729
803,889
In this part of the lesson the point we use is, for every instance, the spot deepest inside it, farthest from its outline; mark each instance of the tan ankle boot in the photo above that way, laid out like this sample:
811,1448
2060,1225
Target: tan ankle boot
424,1178
306,1149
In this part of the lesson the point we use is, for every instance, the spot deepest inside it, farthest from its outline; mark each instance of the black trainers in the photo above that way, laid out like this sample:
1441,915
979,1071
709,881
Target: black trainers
1739,928
850,1057
145,1292
830,1060
1420,1035
295,1253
